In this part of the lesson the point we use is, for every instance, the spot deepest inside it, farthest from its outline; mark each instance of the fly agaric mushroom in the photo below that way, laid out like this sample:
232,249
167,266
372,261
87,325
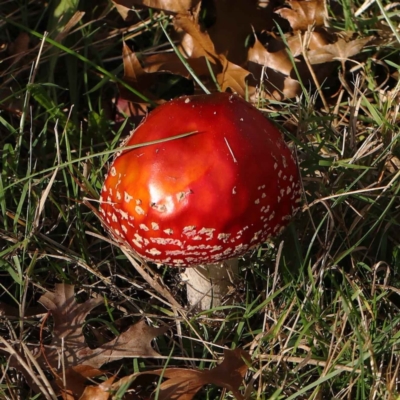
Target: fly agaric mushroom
205,198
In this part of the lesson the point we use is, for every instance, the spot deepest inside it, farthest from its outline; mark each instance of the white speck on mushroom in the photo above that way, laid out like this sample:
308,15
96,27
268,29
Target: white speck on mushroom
257,201
285,165
114,218
113,171
189,230
197,237
155,226
263,196
275,165
124,228
216,248
209,232
127,197
234,190
139,210
123,213
174,252
138,202
271,216
288,190
135,242
240,248
227,251
180,196
168,231
282,192
138,238
153,252
164,241
159,207
256,236
144,227
187,100
280,173
224,236
118,195
117,232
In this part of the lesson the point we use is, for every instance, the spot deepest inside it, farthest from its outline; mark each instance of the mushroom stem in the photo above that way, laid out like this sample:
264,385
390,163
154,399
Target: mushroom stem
207,285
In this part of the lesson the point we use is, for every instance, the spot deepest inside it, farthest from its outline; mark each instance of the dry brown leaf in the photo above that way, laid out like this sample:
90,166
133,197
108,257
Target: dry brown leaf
340,51
75,377
68,342
169,6
198,43
304,13
69,317
228,75
183,384
278,61
233,77
170,62
99,392
135,342
136,77
272,71
235,21
315,40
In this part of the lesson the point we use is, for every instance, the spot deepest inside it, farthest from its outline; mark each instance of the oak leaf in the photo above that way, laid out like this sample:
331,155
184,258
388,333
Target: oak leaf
183,384
233,77
124,7
234,23
137,78
278,61
272,70
340,51
99,392
68,342
304,13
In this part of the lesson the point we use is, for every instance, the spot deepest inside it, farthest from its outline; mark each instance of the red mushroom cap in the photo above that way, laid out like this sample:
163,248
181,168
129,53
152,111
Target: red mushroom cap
206,197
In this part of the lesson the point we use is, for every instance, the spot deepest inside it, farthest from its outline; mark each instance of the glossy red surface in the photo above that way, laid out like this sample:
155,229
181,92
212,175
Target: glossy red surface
206,197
